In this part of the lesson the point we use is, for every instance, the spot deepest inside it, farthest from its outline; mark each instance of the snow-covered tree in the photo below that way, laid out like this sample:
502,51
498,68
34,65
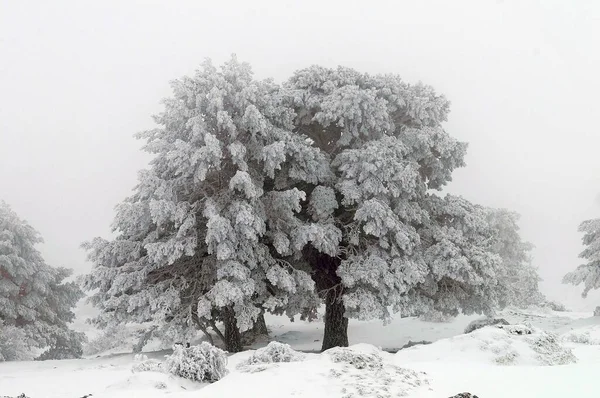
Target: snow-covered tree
519,279
34,297
193,245
588,274
380,237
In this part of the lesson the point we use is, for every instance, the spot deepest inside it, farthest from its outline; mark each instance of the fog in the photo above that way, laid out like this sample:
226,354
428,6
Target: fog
78,79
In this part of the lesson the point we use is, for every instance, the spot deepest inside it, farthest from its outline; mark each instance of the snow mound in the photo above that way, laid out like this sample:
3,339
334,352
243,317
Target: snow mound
204,362
273,353
362,372
147,383
499,345
589,335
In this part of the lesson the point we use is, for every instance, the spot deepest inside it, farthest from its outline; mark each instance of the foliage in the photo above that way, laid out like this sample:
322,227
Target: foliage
34,296
110,338
588,274
204,363
519,279
193,241
13,345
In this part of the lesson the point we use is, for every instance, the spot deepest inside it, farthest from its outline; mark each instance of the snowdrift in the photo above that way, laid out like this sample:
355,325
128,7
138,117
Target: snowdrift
499,345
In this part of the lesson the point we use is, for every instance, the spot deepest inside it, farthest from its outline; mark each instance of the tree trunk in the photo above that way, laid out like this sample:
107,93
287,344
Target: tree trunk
336,324
260,326
330,287
233,337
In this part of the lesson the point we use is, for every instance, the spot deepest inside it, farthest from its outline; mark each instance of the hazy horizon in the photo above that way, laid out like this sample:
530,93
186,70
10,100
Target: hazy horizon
78,80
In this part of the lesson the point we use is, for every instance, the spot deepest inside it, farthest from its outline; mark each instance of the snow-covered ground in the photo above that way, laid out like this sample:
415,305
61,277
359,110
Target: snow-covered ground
489,362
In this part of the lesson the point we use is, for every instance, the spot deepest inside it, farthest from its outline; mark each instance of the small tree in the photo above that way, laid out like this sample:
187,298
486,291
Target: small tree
588,274
34,297
519,279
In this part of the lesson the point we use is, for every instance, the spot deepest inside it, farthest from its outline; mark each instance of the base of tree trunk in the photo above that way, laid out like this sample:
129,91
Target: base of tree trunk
233,337
336,324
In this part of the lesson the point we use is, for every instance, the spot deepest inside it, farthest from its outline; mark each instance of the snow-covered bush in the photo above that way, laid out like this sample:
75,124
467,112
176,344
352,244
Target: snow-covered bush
436,316
274,352
480,323
148,365
555,306
110,338
204,362
550,351
359,360
597,311
13,345
589,335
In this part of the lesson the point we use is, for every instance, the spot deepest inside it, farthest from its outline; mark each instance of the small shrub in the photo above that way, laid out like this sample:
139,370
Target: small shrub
204,362
274,352
149,365
357,359
550,351
480,323
556,306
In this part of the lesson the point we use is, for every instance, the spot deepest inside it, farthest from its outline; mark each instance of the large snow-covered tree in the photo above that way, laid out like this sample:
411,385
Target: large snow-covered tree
267,197
381,238
588,273
34,296
193,245
518,279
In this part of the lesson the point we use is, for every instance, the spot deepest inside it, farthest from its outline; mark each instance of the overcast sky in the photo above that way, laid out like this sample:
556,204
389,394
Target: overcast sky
78,79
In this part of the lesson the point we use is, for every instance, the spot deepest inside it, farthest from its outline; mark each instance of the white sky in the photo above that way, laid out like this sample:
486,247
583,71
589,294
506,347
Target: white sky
78,79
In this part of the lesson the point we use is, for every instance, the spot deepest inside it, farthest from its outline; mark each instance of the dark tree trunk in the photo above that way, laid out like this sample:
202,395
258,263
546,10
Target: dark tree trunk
260,326
233,337
329,285
336,324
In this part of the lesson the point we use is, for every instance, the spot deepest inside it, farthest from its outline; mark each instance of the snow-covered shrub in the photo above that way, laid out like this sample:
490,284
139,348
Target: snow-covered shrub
597,311
357,359
18,396
12,344
480,323
274,352
550,351
204,362
149,365
109,339
555,306
436,316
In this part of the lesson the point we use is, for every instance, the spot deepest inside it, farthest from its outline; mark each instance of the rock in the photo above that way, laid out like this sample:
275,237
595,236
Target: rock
464,395
480,323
